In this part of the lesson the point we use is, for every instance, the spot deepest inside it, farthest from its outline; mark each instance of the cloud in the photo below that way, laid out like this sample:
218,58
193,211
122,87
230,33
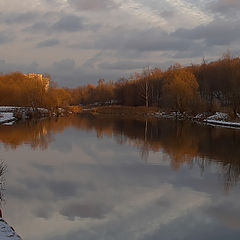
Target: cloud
84,210
149,40
48,43
64,65
62,188
225,6
66,23
37,27
5,37
124,65
44,168
69,23
93,5
43,212
215,33
19,18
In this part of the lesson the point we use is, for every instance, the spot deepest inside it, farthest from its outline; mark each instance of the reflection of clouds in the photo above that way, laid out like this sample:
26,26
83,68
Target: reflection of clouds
101,190
84,210
226,212
43,167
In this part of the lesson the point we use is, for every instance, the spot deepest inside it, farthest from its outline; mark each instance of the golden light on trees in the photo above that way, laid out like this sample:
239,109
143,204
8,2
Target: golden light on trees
180,88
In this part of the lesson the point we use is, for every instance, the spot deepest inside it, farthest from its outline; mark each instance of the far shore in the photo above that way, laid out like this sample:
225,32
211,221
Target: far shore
215,119
10,115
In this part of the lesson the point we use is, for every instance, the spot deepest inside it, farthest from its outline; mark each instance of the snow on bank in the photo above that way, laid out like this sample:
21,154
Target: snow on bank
6,117
222,119
7,232
217,119
224,123
219,116
172,115
22,109
7,114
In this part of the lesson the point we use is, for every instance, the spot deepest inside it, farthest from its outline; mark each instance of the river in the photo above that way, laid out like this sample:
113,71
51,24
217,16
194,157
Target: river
101,178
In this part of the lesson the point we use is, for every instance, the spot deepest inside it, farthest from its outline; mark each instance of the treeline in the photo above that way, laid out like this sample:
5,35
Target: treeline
204,87
18,90
207,87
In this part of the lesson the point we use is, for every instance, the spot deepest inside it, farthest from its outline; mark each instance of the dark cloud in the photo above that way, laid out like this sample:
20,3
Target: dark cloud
19,18
69,23
64,65
5,37
48,43
225,6
62,188
168,14
37,27
155,41
34,188
44,168
43,212
124,65
52,2
85,210
93,5
66,23
226,212
214,33
147,40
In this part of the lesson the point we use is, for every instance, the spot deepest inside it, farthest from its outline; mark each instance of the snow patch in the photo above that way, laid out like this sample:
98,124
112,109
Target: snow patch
222,119
219,116
6,117
225,123
7,232
9,123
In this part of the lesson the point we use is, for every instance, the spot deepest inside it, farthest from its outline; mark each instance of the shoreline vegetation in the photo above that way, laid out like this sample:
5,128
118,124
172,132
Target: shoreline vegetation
207,93
9,115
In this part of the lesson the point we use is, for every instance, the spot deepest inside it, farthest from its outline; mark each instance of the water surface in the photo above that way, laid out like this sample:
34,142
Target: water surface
101,178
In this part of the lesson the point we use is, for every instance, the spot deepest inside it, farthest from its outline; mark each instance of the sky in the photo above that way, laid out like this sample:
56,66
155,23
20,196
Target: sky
81,41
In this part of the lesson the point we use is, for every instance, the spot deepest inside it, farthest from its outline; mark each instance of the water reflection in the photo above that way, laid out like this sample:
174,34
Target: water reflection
3,169
83,178
182,142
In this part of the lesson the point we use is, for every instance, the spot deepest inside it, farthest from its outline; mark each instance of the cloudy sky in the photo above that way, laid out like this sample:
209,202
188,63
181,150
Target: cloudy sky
80,41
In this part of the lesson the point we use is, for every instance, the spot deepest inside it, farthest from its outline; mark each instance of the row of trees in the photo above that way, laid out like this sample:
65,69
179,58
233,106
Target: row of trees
173,88
18,90
204,87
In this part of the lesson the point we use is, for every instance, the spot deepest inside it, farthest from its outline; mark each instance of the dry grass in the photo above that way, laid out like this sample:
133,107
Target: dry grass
124,110
74,109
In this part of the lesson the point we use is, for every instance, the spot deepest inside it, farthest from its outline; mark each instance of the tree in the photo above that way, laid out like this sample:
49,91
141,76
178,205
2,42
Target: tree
180,88
144,86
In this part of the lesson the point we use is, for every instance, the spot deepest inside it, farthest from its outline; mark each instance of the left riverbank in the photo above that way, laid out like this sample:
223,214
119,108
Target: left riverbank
11,114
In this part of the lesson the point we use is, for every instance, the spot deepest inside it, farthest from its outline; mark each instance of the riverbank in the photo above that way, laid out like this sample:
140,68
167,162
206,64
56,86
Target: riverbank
10,115
214,119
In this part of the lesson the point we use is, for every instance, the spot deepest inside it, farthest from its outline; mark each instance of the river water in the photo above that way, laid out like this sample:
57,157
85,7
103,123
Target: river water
94,178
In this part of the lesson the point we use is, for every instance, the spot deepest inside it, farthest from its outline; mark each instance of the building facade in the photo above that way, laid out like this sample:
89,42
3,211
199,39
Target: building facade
39,77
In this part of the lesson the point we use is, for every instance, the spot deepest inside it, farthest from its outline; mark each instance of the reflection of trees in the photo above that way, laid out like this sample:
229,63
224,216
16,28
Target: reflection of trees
183,142
36,133
3,169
